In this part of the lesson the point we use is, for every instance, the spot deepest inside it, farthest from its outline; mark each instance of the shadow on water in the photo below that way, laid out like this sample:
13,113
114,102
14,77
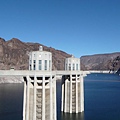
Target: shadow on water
62,115
68,116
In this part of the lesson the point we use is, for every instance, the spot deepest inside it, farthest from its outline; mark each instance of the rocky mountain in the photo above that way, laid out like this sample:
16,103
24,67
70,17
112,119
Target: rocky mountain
14,53
101,62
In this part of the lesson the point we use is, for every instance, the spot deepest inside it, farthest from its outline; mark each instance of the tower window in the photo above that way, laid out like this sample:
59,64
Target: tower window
76,66
49,64
34,61
40,64
34,65
73,66
69,66
30,67
45,64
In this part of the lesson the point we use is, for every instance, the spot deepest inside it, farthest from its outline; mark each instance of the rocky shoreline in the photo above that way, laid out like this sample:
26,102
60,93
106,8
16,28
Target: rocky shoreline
11,79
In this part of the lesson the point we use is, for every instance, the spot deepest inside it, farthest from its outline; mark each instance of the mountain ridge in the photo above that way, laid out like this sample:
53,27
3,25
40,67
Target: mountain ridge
14,53
100,61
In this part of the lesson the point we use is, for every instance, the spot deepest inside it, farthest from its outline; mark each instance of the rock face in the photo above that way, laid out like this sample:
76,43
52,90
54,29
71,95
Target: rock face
116,65
14,53
101,62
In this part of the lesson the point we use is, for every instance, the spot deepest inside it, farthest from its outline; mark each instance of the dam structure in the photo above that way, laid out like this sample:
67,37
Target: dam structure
39,100
40,89
72,87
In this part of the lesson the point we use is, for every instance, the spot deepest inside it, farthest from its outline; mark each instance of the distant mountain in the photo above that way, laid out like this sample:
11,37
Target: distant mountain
101,62
14,53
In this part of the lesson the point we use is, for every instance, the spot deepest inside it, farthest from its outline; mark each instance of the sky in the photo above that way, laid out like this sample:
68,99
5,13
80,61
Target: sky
78,27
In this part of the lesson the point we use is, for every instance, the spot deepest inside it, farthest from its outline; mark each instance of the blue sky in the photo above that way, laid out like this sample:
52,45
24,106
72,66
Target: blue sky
78,27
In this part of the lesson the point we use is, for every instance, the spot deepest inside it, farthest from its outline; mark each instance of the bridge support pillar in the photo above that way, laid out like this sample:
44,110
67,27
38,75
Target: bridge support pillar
39,97
72,93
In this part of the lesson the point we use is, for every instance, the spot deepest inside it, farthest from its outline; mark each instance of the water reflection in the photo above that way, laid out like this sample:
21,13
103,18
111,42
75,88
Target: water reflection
73,116
11,96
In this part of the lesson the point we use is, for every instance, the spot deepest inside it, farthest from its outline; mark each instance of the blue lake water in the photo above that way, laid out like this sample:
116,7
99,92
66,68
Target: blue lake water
11,97
102,99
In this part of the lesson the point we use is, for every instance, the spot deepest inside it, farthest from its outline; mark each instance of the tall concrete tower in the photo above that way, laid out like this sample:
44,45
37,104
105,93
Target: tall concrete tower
72,64
72,87
40,88
40,60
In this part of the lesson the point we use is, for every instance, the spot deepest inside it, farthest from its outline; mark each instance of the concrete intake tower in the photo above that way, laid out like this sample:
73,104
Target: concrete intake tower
72,87
40,88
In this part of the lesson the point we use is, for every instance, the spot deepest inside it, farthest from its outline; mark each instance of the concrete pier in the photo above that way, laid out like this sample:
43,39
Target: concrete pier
39,97
72,93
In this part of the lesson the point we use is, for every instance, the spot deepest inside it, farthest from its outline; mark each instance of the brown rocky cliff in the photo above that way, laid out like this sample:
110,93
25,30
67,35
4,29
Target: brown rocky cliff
100,62
115,64
14,53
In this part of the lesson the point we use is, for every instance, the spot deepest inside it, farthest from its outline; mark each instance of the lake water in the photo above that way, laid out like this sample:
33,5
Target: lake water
102,99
